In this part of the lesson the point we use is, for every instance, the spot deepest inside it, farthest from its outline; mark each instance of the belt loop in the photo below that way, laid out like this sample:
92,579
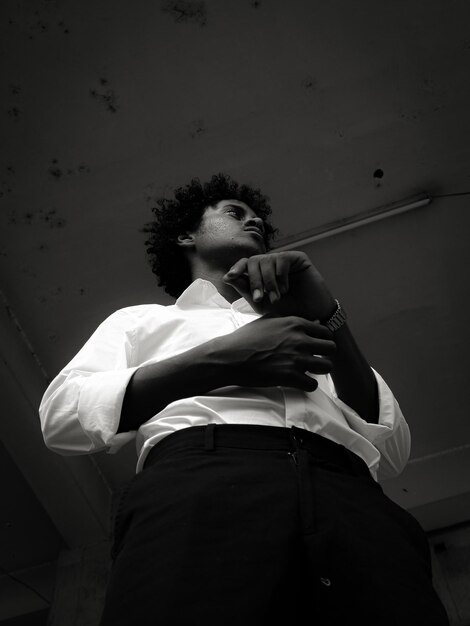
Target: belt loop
209,437
296,436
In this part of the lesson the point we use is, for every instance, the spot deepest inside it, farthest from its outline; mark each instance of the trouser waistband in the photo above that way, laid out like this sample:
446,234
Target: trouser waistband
257,437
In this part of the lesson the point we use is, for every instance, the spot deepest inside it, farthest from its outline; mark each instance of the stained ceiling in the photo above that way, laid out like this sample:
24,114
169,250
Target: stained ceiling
332,108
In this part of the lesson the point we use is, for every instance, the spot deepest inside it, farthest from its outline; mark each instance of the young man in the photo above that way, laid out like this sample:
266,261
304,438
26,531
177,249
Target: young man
260,430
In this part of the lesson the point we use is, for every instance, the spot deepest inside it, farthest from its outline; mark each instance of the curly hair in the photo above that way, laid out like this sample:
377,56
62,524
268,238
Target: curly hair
184,213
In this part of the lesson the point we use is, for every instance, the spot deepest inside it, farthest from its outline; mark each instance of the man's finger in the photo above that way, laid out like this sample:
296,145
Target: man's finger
237,269
282,273
323,347
256,278
266,269
315,329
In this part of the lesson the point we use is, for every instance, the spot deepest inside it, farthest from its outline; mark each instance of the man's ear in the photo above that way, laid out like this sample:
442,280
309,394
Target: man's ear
185,240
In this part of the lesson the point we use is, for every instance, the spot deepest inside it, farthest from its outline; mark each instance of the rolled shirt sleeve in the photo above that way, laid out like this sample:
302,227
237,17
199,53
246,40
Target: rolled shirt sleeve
80,410
390,435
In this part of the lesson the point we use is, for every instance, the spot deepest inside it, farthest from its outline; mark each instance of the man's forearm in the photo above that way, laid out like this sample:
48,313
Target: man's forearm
353,378
203,368
154,386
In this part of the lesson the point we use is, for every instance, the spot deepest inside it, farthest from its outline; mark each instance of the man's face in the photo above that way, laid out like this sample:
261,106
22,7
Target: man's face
233,224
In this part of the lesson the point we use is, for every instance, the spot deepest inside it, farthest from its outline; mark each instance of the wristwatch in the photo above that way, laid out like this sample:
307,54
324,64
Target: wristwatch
337,319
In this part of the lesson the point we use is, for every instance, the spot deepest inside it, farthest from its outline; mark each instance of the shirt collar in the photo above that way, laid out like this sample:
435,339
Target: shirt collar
203,293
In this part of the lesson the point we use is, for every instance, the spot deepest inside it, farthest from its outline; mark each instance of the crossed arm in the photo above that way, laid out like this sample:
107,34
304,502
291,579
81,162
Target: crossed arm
300,291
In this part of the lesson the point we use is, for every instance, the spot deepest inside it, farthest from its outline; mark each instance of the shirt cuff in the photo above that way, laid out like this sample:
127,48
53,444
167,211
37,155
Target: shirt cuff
99,408
390,435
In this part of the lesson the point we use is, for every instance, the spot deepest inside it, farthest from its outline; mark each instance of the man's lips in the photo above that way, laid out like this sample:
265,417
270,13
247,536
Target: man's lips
255,231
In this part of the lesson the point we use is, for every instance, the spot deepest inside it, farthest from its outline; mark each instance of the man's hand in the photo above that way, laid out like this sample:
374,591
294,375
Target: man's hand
282,283
276,351
301,291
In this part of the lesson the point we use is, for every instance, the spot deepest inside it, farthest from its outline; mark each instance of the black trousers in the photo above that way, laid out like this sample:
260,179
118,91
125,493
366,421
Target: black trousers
253,525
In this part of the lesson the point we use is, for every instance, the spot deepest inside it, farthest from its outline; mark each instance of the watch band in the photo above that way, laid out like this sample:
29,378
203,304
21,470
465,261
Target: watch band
337,319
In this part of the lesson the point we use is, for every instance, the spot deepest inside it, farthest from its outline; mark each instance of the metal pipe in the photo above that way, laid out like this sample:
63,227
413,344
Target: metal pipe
349,223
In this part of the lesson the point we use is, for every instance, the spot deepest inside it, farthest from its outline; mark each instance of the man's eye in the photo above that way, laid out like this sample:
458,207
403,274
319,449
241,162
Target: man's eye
237,211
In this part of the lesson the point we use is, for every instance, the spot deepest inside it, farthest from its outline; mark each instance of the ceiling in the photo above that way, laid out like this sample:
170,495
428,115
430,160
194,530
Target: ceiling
332,108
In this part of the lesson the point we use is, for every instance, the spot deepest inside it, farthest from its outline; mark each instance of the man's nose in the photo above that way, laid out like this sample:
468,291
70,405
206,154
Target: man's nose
255,221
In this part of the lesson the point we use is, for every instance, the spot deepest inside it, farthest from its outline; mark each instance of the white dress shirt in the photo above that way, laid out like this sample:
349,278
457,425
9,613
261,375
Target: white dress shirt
81,408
